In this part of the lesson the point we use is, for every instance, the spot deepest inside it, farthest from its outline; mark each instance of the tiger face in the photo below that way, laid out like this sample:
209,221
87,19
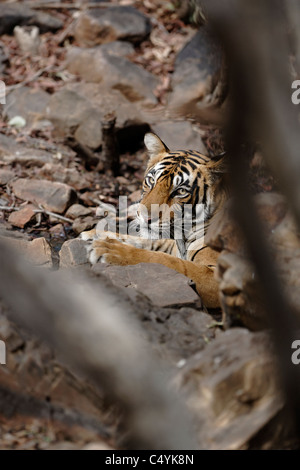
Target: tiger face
179,193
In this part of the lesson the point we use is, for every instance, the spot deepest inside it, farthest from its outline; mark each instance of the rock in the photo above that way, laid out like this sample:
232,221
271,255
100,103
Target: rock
163,286
240,293
197,74
7,232
232,389
107,101
12,15
30,103
71,176
11,152
81,224
37,251
46,22
118,73
97,446
33,380
118,48
73,253
57,231
77,210
99,26
179,135
55,197
73,114
22,217
78,110
177,334
6,176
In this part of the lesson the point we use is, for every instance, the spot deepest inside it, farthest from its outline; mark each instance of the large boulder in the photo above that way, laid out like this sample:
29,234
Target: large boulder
78,109
197,76
233,391
117,73
179,135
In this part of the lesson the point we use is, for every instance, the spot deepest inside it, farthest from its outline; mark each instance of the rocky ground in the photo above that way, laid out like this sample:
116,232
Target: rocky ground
60,88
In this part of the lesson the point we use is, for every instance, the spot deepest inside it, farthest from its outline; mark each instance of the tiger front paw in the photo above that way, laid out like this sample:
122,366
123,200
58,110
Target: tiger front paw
112,251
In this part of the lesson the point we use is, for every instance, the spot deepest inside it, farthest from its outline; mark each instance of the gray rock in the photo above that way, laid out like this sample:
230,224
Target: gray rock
99,26
82,224
177,334
118,48
77,210
118,73
37,251
179,135
55,197
30,103
78,110
12,15
6,176
163,286
22,217
45,22
197,74
59,173
233,389
73,253
15,14
11,152
71,114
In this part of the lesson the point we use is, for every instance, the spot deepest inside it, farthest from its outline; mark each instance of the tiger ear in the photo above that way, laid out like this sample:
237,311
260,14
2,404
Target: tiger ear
154,145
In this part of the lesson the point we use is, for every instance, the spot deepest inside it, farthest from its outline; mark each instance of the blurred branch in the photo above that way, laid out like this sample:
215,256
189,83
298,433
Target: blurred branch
255,39
95,333
293,12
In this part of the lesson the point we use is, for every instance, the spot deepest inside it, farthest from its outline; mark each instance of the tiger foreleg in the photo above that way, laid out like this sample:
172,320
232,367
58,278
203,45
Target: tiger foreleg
115,252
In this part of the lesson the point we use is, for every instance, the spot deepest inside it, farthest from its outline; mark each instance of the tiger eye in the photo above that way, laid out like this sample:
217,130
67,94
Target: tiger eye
181,191
150,180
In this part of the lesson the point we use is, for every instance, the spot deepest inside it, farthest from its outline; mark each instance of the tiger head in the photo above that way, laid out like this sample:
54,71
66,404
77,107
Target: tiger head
179,188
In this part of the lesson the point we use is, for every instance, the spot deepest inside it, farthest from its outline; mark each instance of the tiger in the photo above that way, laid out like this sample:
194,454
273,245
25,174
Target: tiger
173,182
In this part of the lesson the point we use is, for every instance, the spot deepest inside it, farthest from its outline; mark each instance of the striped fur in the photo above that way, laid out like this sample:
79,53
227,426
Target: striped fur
174,181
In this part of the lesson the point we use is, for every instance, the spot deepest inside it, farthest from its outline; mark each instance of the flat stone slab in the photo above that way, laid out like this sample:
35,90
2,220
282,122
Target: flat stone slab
163,286
55,197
